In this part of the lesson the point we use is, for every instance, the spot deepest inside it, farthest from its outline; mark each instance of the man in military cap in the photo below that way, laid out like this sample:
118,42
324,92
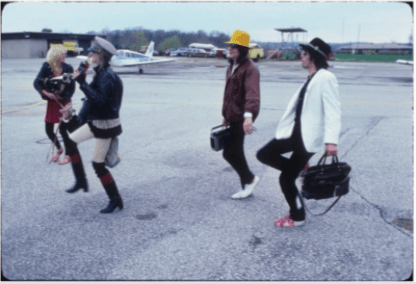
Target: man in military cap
312,120
100,115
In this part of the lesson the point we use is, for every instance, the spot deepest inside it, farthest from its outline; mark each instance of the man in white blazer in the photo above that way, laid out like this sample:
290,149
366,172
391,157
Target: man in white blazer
311,120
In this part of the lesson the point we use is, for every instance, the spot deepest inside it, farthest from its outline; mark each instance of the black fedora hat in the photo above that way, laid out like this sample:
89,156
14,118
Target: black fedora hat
318,47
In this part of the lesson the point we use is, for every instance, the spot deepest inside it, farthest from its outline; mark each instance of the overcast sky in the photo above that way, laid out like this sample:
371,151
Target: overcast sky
336,22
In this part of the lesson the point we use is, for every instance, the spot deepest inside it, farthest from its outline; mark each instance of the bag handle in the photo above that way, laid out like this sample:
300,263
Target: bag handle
324,211
218,127
322,160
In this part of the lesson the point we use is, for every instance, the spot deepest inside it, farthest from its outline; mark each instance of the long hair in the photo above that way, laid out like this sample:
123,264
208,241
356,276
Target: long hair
53,56
243,51
318,60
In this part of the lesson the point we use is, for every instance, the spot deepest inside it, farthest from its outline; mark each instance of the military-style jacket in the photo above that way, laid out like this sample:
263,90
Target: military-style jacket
104,95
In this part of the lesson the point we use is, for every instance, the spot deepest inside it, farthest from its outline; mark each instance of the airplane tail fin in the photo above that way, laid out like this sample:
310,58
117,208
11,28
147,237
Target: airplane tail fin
150,49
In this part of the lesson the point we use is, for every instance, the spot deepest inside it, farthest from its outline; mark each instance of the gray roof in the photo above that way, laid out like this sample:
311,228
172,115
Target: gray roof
376,46
36,35
292,30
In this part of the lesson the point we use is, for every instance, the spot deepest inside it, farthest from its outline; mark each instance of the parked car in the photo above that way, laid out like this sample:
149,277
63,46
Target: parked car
225,53
168,51
196,52
217,52
179,52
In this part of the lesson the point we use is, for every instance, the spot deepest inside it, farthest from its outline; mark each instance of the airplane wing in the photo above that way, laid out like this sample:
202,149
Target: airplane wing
82,57
405,62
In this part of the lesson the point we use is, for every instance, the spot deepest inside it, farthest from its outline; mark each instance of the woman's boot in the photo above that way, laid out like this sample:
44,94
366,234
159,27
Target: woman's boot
78,169
112,192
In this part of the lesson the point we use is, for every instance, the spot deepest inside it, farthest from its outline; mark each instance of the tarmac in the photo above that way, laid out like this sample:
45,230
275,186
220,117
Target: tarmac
179,221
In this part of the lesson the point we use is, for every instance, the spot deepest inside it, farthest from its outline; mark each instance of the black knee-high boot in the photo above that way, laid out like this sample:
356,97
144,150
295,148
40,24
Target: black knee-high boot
112,192
110,188
78,169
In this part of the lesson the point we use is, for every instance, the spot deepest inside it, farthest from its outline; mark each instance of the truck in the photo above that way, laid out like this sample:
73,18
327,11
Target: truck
256,52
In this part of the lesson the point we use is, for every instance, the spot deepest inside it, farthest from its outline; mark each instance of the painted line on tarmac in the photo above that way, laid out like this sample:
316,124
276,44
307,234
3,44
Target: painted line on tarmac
23,107
15,111
172,104
25,112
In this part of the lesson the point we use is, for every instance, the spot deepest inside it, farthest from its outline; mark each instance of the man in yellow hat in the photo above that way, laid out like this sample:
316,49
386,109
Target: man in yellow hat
240,108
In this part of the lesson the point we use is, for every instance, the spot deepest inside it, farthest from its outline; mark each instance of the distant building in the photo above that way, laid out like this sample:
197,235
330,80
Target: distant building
372,48
36,45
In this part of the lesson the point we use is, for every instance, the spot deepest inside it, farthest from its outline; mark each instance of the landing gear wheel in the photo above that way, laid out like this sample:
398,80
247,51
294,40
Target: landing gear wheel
140,71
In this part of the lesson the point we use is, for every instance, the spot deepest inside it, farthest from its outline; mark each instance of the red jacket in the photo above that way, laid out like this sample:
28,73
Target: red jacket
242,92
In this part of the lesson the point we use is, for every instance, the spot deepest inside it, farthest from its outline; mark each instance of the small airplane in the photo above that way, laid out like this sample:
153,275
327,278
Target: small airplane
405,62
128,58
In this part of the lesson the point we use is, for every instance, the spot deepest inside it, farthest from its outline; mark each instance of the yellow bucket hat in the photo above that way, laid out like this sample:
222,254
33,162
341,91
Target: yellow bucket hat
241,38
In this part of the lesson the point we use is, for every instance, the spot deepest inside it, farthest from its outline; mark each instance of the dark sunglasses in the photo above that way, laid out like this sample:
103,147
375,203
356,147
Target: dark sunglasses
234,45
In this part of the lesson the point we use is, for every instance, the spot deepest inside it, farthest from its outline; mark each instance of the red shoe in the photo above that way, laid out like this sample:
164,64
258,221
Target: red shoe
287,222
57,154
65,160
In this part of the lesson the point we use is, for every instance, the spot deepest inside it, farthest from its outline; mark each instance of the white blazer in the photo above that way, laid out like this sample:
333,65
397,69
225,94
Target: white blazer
321,113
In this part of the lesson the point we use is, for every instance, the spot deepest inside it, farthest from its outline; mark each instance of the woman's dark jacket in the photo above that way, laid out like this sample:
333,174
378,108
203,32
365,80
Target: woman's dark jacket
46,73
104,95
242,92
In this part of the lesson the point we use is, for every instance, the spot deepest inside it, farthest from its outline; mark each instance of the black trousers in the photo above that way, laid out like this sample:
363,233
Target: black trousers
271,155
234,153
65,136
64,133
71,147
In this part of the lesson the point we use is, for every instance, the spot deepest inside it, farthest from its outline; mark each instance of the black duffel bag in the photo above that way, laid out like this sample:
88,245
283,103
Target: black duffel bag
326,181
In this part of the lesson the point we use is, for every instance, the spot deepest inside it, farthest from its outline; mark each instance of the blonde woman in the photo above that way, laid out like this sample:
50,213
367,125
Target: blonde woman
57,99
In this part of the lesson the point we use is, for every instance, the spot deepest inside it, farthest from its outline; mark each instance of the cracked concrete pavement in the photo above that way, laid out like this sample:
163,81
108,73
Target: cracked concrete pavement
179,222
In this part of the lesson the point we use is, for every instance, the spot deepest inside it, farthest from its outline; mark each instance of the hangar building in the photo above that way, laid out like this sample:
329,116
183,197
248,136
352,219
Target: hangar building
372,48
36,45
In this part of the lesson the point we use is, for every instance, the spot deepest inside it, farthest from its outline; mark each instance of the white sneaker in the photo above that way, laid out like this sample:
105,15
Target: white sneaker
248,189
238,195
